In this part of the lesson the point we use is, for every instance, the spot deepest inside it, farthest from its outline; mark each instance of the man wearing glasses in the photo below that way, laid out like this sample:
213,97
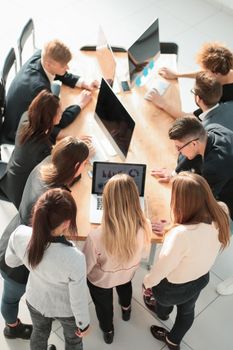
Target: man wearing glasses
207,92
206,152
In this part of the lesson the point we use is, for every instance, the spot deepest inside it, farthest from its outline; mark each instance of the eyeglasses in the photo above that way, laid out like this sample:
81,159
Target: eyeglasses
186,144
193,92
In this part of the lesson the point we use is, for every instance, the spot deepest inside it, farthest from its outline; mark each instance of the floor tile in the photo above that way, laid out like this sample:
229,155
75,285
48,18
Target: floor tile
223,266
191,12
134,333
213,327
216,31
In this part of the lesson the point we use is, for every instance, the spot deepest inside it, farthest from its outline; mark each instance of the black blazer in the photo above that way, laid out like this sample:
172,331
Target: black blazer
217,165
29,81
23,160
223,115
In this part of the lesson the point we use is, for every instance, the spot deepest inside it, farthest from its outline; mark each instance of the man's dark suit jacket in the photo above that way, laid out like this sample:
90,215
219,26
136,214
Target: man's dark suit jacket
217,165
223,115
29,81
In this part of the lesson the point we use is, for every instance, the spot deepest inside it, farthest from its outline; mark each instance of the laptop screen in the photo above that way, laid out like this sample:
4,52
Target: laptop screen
114,120
145,49
103,171
105,58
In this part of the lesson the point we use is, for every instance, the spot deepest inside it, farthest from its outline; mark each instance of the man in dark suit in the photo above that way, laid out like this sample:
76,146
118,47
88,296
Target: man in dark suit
207,152
207,93
38,73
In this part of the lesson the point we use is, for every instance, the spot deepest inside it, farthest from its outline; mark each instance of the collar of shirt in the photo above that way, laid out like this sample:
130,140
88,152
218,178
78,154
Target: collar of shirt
50,76
61,239
203,115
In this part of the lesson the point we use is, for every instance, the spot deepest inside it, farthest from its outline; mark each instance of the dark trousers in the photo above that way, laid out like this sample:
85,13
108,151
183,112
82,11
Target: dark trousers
42,327
184,296
11,295
103,300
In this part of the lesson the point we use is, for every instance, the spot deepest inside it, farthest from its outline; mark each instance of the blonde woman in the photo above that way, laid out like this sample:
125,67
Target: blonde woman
113,251
199,230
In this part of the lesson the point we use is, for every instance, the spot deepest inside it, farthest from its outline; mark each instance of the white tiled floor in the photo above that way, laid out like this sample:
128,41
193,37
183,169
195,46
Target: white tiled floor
189,23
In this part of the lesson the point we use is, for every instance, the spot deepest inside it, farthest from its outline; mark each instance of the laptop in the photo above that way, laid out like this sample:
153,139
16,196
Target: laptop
102,172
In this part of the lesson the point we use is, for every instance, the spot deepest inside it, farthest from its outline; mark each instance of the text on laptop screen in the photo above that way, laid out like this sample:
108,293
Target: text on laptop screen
103,171
114,119
143,53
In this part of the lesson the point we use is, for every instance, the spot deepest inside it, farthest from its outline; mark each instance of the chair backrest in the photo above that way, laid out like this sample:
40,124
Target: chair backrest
9,62
26,32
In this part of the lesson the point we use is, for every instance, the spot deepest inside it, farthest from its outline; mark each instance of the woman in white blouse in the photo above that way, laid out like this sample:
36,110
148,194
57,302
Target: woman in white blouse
113,251
199,230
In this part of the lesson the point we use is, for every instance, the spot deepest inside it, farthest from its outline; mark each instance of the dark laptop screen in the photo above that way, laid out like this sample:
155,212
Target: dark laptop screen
115,118
103,171
145,48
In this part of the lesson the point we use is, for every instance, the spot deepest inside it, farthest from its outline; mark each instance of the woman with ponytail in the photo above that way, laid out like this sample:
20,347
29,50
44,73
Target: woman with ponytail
56,286
199,230
66,162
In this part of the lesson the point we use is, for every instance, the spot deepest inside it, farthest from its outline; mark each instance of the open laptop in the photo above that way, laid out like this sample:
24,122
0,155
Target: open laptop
102,172
114,120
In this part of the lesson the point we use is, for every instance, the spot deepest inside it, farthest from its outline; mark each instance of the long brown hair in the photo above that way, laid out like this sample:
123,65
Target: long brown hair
192,202
41,113
122,218
52,209
64,159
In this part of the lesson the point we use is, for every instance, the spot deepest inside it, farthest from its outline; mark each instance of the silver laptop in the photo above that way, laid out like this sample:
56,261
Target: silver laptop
102,172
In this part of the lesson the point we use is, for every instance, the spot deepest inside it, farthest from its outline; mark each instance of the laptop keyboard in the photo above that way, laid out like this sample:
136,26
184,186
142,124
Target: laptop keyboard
99,203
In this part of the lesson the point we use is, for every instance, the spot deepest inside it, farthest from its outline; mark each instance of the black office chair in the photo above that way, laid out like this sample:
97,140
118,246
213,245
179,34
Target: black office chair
10,61
169,48
93,48
27,31
3,167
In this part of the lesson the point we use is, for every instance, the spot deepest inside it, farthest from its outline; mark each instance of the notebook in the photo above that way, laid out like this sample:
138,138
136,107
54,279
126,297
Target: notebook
102,172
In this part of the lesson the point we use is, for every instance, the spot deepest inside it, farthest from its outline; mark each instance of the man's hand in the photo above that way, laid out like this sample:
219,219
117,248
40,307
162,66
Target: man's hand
84,98
156,99
167,73
92,86
163,175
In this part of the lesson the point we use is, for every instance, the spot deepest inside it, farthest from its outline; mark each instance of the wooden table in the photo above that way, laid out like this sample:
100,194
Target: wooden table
150,143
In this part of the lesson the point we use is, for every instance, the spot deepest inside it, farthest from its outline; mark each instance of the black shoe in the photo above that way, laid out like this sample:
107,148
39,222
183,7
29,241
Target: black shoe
126,313
161,333
22,331
108,337
151,304
51,347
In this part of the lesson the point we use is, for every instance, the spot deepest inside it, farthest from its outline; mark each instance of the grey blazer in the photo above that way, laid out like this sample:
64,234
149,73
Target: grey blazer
223,115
